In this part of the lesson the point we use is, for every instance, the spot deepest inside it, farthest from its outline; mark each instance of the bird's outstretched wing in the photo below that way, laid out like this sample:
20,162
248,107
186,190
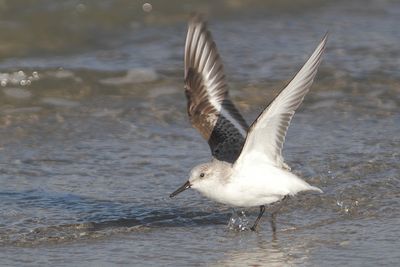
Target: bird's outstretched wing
209,108
266,135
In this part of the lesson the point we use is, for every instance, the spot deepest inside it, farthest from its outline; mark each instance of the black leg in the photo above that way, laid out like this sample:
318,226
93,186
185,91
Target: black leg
273,214
262,209
273,222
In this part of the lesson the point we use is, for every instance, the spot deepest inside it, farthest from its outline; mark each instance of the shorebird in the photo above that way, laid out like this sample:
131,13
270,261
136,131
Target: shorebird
247,167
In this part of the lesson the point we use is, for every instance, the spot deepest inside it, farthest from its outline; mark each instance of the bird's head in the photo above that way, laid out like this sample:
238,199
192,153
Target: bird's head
203,177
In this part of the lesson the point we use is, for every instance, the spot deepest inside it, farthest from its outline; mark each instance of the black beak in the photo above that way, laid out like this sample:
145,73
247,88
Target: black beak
185,186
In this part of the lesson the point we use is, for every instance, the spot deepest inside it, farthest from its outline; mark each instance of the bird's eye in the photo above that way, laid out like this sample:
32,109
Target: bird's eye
202,174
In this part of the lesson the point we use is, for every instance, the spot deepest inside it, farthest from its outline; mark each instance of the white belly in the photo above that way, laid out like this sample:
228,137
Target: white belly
258,186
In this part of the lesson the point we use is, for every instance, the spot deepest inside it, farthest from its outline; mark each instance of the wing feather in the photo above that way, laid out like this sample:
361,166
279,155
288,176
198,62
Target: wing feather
267,133
210,110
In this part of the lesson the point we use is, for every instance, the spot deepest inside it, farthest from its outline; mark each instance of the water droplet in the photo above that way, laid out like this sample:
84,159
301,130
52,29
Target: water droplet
238,222
147,7
80,7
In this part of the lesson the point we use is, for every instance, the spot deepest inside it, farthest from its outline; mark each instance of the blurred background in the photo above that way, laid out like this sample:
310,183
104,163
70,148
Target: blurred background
94,133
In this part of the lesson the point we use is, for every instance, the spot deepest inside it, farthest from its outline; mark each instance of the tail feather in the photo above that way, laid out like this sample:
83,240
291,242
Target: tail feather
314,188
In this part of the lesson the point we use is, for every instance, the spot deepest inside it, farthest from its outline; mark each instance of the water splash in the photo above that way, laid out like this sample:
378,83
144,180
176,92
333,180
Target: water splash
348,206
18,78
238,221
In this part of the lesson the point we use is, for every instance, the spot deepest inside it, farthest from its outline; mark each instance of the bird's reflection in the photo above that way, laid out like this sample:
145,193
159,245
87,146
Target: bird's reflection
268,250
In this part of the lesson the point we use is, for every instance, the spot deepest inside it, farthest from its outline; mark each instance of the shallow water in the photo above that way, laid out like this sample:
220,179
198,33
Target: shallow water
94,134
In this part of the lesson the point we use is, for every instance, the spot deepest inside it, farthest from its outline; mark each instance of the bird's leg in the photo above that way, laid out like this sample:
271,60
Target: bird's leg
273,222
262,209
273,214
